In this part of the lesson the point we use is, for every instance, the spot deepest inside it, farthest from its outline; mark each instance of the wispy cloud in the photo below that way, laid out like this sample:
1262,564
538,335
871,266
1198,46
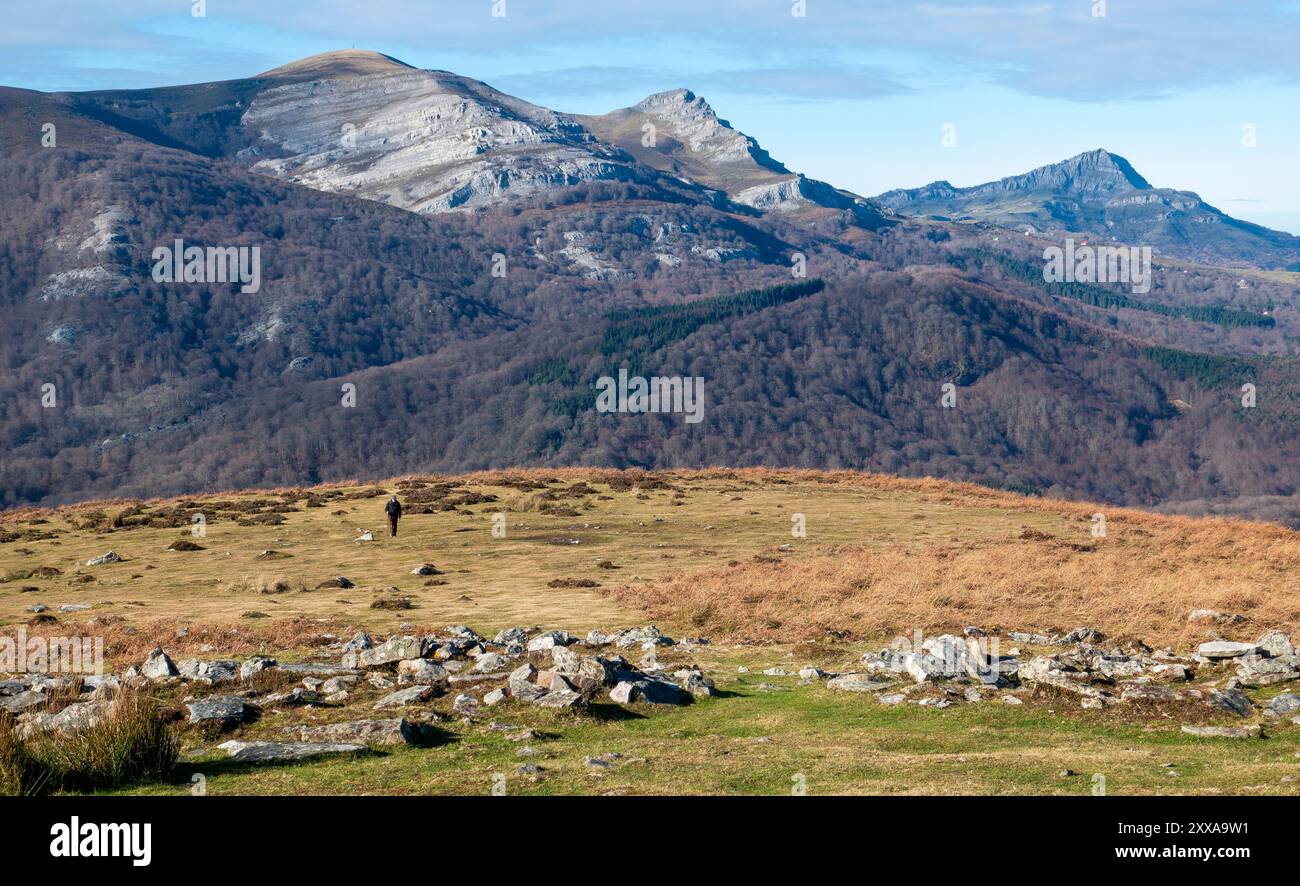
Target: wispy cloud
821,83
1138,50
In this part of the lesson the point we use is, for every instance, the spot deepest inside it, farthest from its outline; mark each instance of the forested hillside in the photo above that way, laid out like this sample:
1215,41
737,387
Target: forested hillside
383,341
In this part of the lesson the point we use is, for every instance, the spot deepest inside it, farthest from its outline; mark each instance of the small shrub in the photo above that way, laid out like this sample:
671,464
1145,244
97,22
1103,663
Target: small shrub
391,603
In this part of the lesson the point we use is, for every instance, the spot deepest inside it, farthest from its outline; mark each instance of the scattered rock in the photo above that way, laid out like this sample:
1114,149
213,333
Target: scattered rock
490,662
1147,692
855,683
522,685
222,711
1220,649
277,751
209,672
550,640
560,698
22,701
1255,670
1286,703
1234,701
158,666
408,696
335,685
360,640
394,649
1276,644
1222,731
421,670
369,732
255,665
73,718
296,697
650,691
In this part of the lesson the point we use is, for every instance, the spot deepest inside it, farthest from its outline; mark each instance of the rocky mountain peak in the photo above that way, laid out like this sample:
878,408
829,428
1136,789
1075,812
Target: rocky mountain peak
674,102
1092,172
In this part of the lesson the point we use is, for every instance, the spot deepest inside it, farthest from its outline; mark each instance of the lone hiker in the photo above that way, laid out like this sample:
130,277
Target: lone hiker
394,510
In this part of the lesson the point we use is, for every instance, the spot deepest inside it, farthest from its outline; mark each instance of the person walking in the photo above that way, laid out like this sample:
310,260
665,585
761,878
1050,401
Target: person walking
394,511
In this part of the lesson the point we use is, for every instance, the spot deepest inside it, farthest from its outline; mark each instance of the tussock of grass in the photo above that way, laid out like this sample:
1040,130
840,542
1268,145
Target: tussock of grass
266,585
132,743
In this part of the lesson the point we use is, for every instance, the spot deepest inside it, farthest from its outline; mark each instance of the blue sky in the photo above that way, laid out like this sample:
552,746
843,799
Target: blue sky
855,92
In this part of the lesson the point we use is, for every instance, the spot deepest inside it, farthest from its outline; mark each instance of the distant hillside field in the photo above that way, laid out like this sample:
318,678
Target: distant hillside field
707,552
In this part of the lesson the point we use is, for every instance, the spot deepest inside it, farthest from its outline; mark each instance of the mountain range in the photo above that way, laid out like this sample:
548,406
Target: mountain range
1100,194
463,265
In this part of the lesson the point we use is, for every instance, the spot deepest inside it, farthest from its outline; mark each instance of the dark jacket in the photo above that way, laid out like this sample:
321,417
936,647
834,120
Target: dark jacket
393,509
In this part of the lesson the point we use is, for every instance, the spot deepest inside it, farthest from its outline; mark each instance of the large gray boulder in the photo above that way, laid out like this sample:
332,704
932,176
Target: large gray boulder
317,669
1276,643
342,683
560,698
158,666
1220,649
1222,731
280,751
23,701
586,670
220,711
651,691
1286,703
522,685
1234,701
209,672
368,732
1255,670
360,640
392,650
409,696
693,681
421,670
74,718
1150,692
856,683
510,637
255,665
643,637
490,662
550,640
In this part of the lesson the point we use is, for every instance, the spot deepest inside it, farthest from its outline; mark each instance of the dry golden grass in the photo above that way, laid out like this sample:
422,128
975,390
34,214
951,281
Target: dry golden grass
1141,580
883,556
